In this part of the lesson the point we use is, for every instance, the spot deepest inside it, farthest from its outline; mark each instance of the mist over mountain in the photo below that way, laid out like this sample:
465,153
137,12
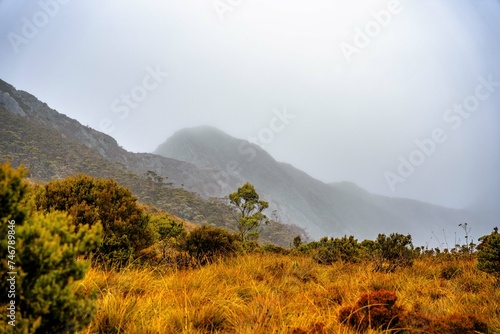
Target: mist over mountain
54,146
322,209
209,163
161,66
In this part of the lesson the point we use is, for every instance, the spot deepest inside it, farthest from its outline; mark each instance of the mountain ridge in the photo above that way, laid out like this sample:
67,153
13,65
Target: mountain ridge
211,164
53,146
320,208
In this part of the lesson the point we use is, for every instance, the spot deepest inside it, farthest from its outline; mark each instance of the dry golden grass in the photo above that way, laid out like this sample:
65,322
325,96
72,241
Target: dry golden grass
269,293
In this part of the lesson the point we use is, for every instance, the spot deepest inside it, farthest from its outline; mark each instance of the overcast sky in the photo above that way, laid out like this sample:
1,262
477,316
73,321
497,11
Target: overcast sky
355,83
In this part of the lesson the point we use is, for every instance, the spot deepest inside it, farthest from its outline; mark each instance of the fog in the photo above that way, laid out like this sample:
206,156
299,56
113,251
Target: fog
400,97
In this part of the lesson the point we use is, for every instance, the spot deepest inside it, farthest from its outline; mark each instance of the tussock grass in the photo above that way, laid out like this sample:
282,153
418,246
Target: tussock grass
272,293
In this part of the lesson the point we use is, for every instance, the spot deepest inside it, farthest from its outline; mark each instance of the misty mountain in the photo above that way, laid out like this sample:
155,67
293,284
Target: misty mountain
53,146
196,166
322,209
37,113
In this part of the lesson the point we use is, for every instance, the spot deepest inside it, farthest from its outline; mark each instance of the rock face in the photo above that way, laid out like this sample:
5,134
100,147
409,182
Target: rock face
11,104
211,163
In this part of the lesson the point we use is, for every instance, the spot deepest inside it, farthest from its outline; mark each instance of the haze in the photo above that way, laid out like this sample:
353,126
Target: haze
236,65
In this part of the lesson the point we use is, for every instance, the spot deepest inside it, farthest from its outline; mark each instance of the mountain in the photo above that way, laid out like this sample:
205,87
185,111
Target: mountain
54,146
191,174
322,209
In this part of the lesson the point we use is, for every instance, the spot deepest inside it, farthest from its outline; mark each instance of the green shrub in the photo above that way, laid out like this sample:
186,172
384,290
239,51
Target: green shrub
47,253
345,249
392,252
488,255
270,248
248,247
90,200
14,207
47,249
206,243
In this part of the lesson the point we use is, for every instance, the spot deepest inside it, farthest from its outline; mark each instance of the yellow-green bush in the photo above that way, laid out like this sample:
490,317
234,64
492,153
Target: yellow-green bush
90,200
44,262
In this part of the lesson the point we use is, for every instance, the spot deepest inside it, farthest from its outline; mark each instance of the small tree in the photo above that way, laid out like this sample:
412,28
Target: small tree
250,207
297,241
488,255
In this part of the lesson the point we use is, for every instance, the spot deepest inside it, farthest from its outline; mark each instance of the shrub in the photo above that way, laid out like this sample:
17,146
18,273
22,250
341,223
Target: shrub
270,248
14,206
207,243
345,249
47,252
389,253
488,255
47,249
376,310
14,201
89,200
249,247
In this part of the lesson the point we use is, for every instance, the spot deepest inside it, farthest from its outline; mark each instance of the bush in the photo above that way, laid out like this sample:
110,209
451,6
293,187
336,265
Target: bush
376,310
488,255
270,248
389,253
207,243
46,251
89,201
14,206
345,249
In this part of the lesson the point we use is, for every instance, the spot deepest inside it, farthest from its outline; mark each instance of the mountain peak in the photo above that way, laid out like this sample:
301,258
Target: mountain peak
209,146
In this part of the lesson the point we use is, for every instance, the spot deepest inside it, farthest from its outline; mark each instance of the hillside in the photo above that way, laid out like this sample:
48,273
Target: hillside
321,209
54,146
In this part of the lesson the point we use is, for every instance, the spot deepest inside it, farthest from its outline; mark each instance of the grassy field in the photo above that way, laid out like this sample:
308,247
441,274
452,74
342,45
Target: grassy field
272,293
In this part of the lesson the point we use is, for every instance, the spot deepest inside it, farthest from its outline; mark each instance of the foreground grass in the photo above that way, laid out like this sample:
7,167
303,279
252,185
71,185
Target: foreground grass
269,293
